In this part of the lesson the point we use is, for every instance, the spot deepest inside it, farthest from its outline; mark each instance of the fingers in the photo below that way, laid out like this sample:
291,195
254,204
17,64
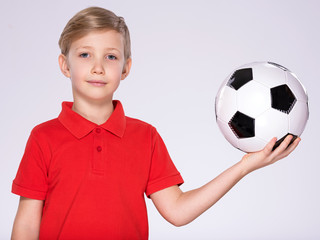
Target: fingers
285,143
284,149
268,148
290,148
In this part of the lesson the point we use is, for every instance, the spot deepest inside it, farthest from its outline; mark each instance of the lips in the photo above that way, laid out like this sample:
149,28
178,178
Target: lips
97,83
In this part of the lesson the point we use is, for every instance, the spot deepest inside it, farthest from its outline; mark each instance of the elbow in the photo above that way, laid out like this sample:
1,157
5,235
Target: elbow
178,224
178,221
179,217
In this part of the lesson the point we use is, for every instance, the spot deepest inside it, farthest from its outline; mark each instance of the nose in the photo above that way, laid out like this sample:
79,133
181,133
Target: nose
98,68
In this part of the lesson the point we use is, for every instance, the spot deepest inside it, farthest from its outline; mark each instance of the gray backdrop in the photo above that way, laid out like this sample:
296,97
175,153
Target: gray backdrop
182,51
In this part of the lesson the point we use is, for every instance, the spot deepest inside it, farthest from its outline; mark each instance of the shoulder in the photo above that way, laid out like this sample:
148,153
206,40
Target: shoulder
47,128
138,126
41,138
134,122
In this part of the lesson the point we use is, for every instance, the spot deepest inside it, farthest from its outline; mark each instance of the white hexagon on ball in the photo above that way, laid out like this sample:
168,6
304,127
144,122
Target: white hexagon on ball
253,91
268,74
271,124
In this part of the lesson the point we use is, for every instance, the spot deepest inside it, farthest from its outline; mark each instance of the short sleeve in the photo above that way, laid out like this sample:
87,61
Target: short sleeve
163,172
31,178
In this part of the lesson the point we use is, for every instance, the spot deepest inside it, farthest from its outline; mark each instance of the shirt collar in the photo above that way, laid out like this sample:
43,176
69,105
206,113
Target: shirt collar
80,126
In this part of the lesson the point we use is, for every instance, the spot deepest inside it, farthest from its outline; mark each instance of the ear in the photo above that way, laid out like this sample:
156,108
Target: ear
63,63
126,69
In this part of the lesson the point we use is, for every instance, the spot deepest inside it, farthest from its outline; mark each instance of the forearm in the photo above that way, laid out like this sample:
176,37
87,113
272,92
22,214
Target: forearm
193,203
187,206
180,208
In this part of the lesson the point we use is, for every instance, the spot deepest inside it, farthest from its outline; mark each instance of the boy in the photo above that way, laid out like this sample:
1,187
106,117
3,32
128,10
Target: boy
84,174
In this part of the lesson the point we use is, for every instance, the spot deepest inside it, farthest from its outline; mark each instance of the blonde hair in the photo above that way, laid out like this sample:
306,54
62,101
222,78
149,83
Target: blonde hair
93,19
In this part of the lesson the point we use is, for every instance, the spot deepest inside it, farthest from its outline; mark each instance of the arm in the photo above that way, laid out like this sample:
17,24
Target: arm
27,222
180,208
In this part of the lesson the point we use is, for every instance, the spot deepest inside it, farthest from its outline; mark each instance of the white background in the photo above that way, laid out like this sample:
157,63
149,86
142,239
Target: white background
182,51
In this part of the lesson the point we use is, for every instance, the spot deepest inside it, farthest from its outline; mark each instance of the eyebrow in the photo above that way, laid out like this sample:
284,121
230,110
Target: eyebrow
108,49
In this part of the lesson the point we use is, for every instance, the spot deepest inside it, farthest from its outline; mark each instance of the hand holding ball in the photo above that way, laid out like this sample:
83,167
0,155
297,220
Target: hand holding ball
259,101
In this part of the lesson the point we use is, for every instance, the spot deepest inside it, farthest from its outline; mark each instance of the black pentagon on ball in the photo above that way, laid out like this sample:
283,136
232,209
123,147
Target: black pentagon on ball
242,125
240,77
282,98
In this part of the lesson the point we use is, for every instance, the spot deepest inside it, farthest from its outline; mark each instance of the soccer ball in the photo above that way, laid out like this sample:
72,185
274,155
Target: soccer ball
259,101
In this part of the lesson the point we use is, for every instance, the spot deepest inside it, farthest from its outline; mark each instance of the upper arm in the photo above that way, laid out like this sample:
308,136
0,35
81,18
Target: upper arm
28,218
165,200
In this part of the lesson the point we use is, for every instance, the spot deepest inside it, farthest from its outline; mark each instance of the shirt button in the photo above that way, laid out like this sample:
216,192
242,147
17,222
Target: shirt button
99,148
98,130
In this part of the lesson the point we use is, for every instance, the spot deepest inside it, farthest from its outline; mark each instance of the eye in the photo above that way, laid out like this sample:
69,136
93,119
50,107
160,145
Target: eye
111,57
84,55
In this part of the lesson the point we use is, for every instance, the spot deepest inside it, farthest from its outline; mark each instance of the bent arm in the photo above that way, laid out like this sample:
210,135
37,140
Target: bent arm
27,221
180,208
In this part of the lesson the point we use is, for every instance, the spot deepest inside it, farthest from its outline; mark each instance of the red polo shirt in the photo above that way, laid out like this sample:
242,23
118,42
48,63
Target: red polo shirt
93,177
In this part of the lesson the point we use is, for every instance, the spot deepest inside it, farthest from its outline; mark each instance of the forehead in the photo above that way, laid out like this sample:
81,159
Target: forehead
100,39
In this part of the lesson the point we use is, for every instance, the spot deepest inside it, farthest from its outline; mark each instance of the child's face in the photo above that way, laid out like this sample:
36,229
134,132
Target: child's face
95,64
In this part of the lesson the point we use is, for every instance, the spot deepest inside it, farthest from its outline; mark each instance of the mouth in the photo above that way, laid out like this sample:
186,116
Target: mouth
97,83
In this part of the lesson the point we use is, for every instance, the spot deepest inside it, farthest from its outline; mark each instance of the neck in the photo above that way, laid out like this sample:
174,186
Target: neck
97,113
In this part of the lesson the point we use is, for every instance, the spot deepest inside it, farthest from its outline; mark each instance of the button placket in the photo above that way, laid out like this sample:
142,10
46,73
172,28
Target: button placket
98,150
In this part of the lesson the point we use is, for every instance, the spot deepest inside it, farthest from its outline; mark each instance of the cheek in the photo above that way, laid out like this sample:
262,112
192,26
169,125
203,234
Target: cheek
116,69
78,70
